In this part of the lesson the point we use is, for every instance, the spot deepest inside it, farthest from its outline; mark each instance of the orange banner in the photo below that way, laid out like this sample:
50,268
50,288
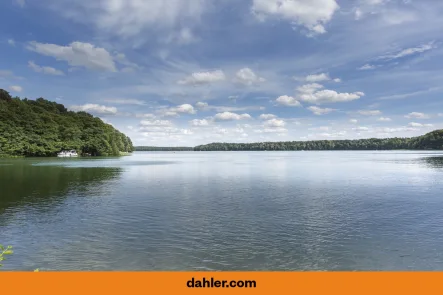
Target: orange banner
126,283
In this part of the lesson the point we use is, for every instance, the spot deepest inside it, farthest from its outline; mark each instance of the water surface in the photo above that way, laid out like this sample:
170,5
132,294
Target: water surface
225,211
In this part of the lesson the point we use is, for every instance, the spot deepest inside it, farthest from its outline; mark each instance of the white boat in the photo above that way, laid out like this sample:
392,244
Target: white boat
67,154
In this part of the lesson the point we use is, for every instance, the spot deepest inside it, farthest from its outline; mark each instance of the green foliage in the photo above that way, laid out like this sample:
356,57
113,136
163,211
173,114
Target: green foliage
35,128
430,141
159,149
5,251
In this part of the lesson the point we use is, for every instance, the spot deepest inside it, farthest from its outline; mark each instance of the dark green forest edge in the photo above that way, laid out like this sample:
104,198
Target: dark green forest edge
38,128
429,141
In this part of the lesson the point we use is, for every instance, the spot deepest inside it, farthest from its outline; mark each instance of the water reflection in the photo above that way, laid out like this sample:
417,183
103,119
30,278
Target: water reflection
23,184
433,162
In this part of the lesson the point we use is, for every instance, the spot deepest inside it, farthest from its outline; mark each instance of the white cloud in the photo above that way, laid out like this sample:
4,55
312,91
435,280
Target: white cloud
156,123
318,78
309,88
45,70
320,111
199,123
201,78
361,129
267,116
16,88
409,51
384,119
367,67
418,125
201,105
311,14
275,123
94,108
440,114
353,121
370,113
310,93
228,116
112,16
11,42
124,101
416,115
246,76
77,54
184,109
329,96
288,101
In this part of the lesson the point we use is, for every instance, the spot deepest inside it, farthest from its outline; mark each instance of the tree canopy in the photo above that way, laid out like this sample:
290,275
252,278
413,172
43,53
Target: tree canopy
430,141
40,127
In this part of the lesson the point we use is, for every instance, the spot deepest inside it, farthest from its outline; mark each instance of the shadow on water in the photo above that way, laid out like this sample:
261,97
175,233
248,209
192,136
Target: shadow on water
23,184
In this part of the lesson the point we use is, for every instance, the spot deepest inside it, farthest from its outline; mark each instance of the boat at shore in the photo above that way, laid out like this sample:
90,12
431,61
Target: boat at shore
67,154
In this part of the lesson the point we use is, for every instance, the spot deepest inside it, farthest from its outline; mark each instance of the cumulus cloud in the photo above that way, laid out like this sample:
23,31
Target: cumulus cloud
267,116
199,123
45,70
370,112
176,111
320,111
202,78
416,115
247,77
287,101
311,14
228,116
384,119
309,88
94,108
16,88
353,121
275,123
329,96
311,93
77,54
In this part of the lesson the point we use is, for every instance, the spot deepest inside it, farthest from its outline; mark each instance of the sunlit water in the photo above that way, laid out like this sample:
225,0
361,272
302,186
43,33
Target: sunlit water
225,211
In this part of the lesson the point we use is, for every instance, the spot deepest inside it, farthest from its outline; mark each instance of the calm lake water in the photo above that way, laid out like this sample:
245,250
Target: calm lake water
225,211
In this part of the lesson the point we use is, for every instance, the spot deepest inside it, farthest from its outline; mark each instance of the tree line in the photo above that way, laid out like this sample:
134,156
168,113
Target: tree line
429,141
34,128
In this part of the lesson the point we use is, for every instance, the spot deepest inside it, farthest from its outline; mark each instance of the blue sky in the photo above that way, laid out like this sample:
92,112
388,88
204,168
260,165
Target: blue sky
188,72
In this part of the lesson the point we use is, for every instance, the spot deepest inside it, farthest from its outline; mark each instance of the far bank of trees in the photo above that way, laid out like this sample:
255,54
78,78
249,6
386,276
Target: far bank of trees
430,141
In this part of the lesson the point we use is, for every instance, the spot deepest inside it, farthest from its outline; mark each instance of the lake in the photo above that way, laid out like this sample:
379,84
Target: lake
365,210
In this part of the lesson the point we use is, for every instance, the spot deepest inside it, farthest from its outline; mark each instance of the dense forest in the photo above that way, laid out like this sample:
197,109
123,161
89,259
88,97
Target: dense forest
44,128
162,149
430,141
